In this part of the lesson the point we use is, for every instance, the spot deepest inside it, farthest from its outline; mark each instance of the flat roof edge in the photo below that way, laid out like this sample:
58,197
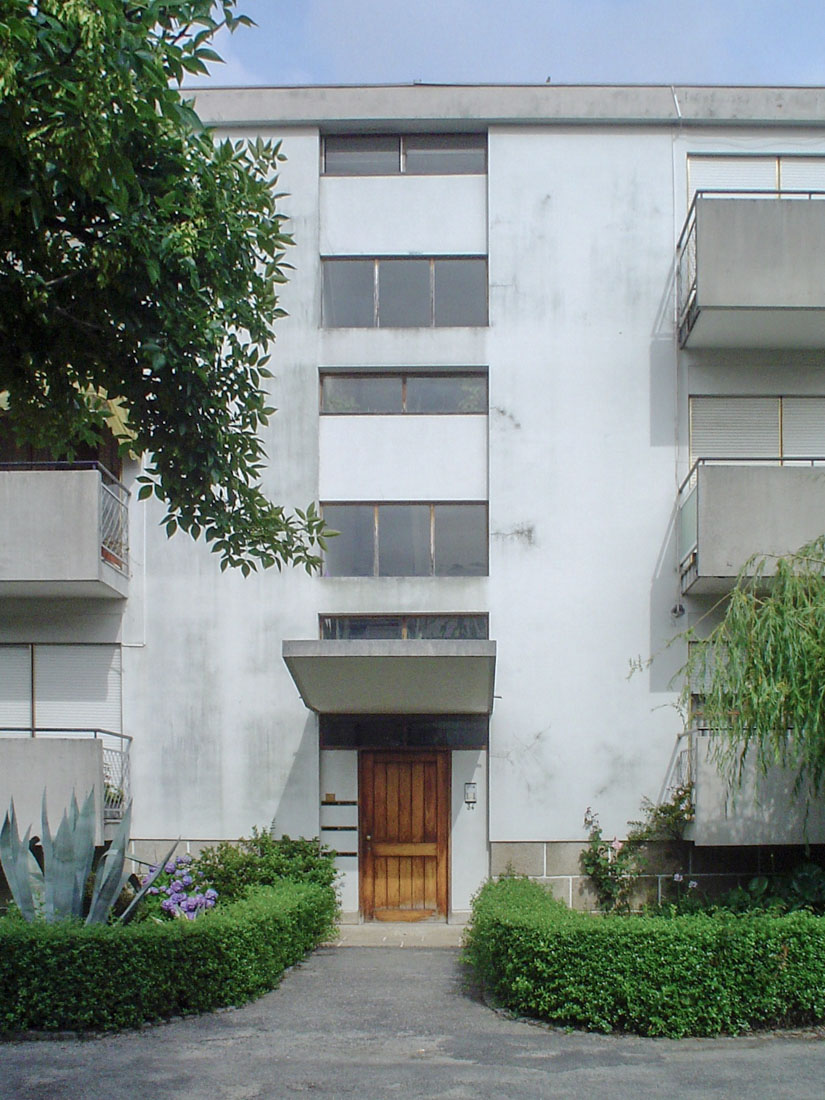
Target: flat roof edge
462,106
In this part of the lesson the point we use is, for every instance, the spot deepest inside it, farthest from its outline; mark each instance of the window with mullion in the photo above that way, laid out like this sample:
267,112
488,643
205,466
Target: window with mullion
405,292
407,540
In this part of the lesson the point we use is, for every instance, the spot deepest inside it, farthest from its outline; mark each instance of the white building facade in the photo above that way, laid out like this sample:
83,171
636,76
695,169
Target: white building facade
554,366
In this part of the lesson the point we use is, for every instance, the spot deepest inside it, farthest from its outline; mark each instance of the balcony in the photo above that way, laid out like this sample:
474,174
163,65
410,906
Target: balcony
62,762
64,532
751,270
730,511
761,810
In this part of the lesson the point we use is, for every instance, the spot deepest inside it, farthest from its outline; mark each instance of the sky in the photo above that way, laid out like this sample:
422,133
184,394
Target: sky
525,41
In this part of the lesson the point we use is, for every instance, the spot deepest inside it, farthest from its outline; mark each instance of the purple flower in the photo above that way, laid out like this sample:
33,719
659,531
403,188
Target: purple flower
692,885
190,905
211,894
187,880
177,886
168,906
153,890
170,868
677,877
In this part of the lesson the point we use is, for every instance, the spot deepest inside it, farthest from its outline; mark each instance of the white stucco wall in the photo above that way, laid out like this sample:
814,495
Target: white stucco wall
401,215
392,458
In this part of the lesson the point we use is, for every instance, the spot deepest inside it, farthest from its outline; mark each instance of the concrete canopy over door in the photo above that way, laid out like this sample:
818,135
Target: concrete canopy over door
393,677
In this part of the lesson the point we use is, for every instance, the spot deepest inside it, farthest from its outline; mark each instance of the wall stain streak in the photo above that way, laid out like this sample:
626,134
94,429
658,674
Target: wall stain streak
497,410
522,532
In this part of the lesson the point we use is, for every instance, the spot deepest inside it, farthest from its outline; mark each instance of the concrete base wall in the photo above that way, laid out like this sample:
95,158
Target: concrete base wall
715,869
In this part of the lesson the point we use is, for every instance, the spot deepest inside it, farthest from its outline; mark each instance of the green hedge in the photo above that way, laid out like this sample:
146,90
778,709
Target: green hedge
69,977
691,975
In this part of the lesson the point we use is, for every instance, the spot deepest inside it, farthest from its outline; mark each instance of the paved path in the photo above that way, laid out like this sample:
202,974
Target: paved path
368,1023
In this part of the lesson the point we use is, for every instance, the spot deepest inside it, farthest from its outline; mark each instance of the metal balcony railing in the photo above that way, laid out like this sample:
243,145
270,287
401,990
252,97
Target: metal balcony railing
117,779
686,252
681,772
113,512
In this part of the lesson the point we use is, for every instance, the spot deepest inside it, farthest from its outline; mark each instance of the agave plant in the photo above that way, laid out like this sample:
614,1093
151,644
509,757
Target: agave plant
55,891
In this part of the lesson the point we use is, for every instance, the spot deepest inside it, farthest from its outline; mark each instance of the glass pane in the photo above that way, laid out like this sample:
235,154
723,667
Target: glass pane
404,540
446,154
461,292
349,293
356,627
361,155
456,393
343,393
352,552
404,293
461,540
447,626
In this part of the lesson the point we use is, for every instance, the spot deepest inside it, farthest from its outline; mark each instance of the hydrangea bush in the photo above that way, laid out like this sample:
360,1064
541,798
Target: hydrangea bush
182,890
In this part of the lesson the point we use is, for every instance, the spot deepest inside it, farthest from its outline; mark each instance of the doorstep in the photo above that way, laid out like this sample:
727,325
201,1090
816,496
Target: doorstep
402,934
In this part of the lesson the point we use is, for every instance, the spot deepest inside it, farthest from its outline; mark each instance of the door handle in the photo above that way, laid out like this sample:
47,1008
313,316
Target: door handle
368,837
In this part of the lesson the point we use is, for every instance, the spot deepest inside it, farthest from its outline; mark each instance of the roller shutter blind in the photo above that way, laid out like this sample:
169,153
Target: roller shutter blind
734,427
803,427
732,174
15,687
78,687
802,173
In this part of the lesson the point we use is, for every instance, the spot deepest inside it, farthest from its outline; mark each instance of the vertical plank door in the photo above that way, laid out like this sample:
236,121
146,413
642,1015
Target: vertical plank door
404,828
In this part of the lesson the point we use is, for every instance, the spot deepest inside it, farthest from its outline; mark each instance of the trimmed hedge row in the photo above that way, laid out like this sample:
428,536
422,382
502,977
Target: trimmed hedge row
690,975
69,977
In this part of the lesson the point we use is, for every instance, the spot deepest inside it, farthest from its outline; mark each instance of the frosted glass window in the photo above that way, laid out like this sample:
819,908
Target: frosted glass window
349,293
446,394
351,553
404,293
414,154
445,154
344,394
361,155
404,540
460,292
461,540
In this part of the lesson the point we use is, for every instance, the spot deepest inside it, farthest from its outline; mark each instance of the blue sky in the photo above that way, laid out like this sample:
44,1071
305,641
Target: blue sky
526,41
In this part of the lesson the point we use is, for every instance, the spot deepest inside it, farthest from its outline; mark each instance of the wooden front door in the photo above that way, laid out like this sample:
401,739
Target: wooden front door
404,825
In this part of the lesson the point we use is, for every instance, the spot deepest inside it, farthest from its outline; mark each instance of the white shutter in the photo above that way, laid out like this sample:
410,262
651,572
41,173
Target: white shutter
734,427
77,687
803,427
802,173
731,174
15,687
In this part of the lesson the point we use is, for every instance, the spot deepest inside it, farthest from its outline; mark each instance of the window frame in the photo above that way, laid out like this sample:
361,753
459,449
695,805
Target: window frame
403,141
405,618
479,374
328,263
376,548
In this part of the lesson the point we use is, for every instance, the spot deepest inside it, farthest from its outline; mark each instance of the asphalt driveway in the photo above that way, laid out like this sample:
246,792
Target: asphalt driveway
371,1023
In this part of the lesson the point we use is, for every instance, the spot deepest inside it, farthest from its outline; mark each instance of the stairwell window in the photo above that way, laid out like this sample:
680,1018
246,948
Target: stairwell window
369,627
405,292
421,393
404,154
407,540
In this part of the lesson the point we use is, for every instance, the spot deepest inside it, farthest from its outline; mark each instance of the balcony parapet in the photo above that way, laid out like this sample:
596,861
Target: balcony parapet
751,270
65,530
730,510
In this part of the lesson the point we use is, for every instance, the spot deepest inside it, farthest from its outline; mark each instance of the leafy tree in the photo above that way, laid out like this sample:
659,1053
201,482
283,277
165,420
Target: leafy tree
139,261
761,671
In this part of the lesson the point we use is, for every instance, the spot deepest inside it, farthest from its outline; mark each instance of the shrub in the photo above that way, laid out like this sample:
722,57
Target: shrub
71,977
703,974
261,860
